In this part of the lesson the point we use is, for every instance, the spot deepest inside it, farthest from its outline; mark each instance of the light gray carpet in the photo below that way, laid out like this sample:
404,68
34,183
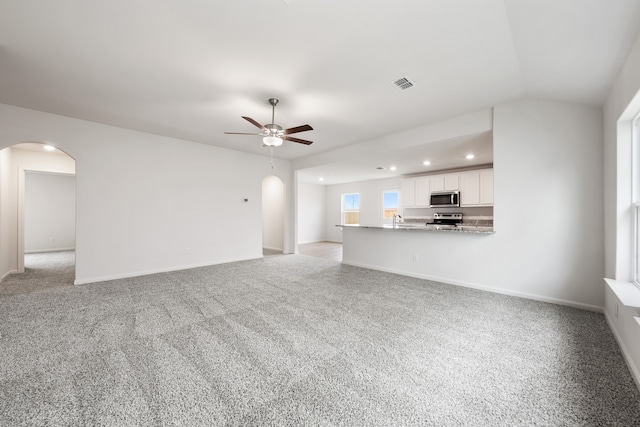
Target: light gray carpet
295,340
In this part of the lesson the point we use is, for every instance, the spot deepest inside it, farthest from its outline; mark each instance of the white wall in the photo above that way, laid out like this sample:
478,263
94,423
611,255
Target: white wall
49,212
311,212
622,103
147,203
272,213
548,213
7,216
370,203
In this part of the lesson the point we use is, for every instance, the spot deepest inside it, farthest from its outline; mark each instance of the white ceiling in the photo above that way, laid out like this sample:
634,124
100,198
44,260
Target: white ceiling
190,68
447,154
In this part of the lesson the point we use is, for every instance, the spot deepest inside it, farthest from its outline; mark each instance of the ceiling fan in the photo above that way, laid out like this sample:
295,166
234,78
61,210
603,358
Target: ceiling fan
272,134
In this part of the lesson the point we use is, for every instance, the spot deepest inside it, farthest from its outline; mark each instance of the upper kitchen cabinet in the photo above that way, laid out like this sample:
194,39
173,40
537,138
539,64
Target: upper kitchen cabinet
415,192
423,194
445,182
486,187
408,193
476,188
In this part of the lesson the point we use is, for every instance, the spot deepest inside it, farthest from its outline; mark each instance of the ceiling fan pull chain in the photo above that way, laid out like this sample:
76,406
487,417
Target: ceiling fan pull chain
271,147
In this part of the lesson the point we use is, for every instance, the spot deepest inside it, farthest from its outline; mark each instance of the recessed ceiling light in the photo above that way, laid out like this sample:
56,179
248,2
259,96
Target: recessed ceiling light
426,163
392,168
321,179
49,147
470,156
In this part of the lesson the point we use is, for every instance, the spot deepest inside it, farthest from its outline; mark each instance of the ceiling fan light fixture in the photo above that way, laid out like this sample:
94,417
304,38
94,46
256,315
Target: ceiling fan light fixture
272,141
272,134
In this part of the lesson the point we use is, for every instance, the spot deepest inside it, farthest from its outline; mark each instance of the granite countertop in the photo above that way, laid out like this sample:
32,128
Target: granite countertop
472,229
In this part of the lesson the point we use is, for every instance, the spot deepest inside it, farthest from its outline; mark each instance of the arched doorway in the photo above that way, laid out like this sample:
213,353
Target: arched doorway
38,184
272,215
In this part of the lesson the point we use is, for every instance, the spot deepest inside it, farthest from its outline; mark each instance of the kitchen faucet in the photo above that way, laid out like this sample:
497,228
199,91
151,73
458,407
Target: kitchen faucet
396,217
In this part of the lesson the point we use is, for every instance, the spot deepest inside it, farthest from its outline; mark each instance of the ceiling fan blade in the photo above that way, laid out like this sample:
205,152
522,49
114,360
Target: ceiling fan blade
297,129
253,122
301,141
241,133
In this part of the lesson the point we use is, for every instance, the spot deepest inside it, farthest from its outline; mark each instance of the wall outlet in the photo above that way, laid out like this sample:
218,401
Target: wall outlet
187,251
416,258
52,239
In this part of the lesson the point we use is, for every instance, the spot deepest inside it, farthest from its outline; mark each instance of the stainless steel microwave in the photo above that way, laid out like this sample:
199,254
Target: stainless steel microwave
445,199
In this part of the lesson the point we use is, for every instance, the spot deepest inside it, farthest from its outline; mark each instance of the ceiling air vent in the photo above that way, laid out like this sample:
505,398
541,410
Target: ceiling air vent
404,83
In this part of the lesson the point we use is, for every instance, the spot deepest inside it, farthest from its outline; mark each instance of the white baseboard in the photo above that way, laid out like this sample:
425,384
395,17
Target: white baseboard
160,270
525,295
273,249
7,274
40,251
635,372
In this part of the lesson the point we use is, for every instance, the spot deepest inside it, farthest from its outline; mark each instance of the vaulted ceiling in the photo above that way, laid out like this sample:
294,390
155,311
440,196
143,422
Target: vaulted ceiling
190,68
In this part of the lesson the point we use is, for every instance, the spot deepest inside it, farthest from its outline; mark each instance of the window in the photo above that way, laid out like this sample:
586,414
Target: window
390,205
635,197
351,209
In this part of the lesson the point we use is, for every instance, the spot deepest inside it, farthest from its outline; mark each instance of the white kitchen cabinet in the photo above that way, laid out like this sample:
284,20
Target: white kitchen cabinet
436,183
444,182
452,182
476,188
470,188
486,187
408,193
415,192
423,194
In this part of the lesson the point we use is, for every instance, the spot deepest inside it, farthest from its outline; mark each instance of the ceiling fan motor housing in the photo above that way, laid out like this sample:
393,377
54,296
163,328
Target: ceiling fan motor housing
273,130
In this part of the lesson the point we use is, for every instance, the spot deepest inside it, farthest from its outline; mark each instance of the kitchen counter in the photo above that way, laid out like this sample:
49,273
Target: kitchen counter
461,229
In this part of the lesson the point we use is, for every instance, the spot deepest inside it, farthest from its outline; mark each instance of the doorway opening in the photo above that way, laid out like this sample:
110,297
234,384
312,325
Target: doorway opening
272,216
43,241
390,201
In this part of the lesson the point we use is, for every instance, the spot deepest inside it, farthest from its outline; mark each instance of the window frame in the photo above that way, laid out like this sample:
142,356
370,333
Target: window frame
343,211
635,198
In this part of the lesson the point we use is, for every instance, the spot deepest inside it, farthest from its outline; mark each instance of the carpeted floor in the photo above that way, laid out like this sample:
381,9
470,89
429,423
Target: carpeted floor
296,340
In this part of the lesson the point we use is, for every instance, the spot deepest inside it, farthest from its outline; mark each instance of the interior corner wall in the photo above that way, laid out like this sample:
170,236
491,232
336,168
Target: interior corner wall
147,203
311,212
